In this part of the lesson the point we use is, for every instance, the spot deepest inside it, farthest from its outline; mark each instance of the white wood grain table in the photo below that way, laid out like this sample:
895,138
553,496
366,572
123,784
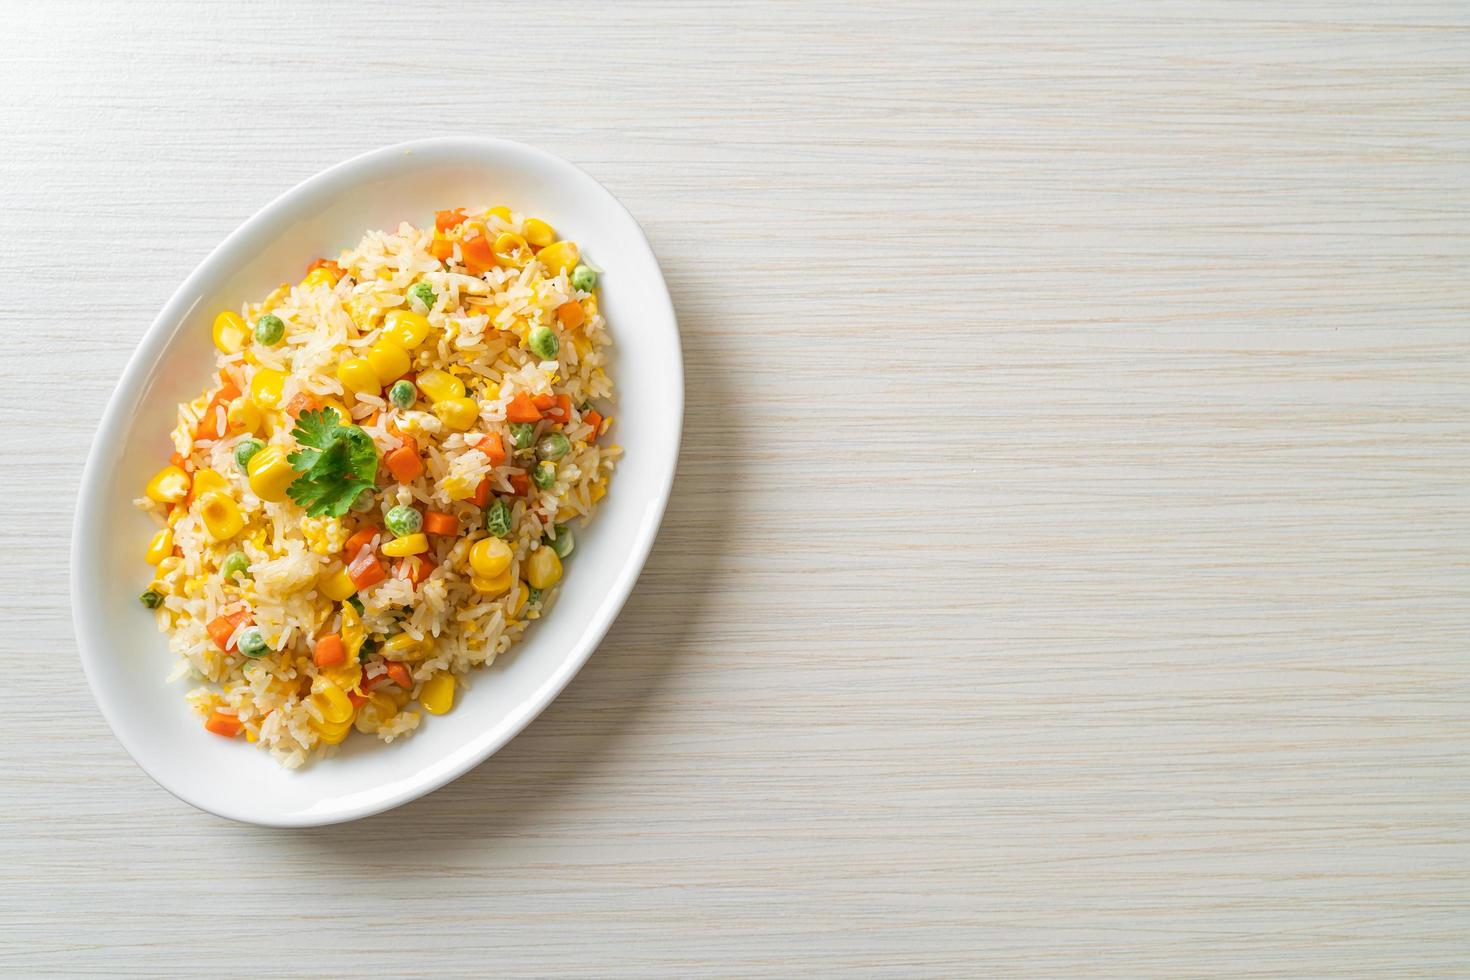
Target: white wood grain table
1067,570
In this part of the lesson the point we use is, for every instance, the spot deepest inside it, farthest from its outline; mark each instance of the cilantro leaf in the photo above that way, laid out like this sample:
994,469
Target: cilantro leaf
338,463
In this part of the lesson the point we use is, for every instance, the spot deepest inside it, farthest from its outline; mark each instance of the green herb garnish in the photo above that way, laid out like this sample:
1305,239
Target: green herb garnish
338,463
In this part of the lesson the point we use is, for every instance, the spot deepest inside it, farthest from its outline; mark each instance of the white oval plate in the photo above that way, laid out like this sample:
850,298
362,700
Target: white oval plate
127,660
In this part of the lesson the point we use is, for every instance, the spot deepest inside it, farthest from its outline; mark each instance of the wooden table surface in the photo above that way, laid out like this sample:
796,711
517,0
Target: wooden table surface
1066,571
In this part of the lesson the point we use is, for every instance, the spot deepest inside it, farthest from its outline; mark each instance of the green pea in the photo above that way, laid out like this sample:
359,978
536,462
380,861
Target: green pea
424,293
403,393
544,474
151,599
543,343
584,278
553,445
561,541
235,564
365,502
269,330
245,451
533,595
522,434
403,520
498,519
252,642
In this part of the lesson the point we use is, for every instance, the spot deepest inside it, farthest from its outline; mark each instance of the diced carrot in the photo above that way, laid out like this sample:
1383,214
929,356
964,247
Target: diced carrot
369,683
177,460
330,651
543,402
404,463
440,523
441,248
479,257
522,409
372,419
571,314
360,540
445,220
365,569
358,700
211,423
228,390
221,628
491,446
227,725
561,411
520,483
302,402
399,675
482,493
414,568
593,418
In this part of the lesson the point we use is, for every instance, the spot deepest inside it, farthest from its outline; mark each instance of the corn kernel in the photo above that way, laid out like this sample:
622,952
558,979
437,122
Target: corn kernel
330,733
497,585
338,586
319,276
543,568
409,544
208,481
270,474
244,415
230,333
437,694
490,557
331,701
501,211
160,547
405,329
265,388
378,711
539,233
558,257
358,374
511,250
458,413
404,647
168,486
440,386
221,516
390,361
353,633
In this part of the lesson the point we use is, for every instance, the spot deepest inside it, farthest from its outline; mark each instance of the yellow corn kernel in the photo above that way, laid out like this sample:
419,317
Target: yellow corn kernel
538,232
330,733
168,486
543,568
497,585
270,474
409,544
337,586
244,415
390,361
358,374
458,413
265,388
403,647
523,595
319,277
221,516
160,547
405,329
193,587
230,333
501,211
347,676
378,711
208,481
353,633
558,257
511,250
440,386
489,557
331,701
457,487
437,694
176,514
